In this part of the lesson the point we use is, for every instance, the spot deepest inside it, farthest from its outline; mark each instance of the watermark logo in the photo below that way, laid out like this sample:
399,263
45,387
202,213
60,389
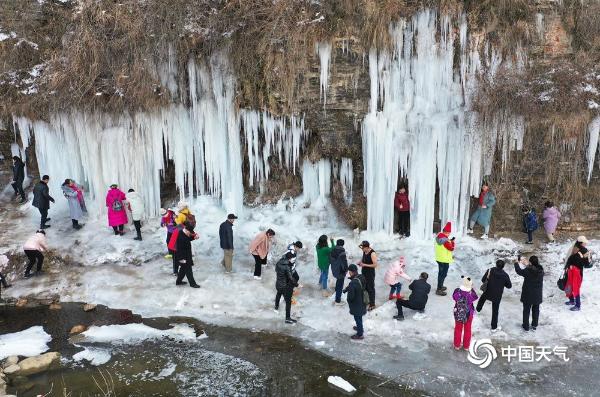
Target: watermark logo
482,353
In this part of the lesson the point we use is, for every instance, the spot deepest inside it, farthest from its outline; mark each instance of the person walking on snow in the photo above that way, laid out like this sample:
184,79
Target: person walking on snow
184,256
551,216
285,283
483,213
497,279
18,170
531,292
75,208
418,297
402,209
392,278
34,247
42,199
117,217
323,251
226,240
574,280
530,223
3,264
355,297
136,207
368,263
444,247
259,249
464,296
339,267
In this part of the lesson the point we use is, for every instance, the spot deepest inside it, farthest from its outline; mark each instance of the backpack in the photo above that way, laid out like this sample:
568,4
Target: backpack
364,291
117,205
461,310
190,219
173,241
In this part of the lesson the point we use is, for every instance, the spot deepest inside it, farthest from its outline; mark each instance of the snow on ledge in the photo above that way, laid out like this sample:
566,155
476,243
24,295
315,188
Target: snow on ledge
135,333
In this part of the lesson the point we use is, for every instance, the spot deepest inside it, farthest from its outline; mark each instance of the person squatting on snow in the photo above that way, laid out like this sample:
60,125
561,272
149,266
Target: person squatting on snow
339,267
136,207
418,297
117,217
392,278
444,247
259,249
483,213
42,199
579,259
530,222
551,216
323,251
402,212
495,279
226,241
18,170
368,263
356,299
531,292
184,256
74,196
33,247
285,282
463,296
3,265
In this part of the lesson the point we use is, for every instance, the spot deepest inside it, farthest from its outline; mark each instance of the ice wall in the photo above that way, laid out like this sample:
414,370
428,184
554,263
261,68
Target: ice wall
347,179
316,181
594,131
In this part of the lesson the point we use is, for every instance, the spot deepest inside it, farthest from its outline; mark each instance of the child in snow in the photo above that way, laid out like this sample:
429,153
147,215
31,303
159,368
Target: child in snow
551,216
136,207
183,212
530,223
3,263
464,296
392,278
168,220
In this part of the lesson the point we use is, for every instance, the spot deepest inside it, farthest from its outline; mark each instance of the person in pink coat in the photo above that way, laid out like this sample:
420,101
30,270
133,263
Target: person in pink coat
117,217
551,217
392,278
34,247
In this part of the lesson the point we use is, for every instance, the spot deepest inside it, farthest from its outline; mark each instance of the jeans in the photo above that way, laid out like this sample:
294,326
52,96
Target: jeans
359,325
323,278
185,270
486,228
535,315
287,296
442,273
395,288
227,260
530,235
339,286
258,262
463,332
34,256
495,308
44,217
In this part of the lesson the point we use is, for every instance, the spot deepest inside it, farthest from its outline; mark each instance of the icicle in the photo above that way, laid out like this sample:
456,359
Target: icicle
346,178
324,52
316,181
594,131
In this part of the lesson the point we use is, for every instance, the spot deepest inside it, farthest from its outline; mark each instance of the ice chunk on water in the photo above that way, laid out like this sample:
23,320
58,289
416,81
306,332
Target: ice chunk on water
341,383
28,343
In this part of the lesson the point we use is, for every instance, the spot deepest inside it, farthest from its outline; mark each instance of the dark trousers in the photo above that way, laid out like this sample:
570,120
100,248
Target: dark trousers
118,229
44,217
442,273
185,270
403,222
138,228
530,235
535,315
400,303
258,262
287,296
339,287
18,188
370,287
34,256
359,325
495,308
3,280
175,263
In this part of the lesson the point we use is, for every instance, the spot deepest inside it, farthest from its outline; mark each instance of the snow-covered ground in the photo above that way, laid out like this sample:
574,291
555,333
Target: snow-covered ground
122,273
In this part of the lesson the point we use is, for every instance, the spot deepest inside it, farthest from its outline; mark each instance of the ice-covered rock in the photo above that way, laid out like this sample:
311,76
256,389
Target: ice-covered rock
37,364
341,384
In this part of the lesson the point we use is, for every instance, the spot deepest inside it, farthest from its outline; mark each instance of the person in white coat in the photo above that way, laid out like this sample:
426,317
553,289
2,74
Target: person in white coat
136,206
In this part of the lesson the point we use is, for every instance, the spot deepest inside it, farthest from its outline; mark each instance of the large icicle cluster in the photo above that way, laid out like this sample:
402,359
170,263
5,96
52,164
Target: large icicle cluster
594,131
316,181
347,179
324,52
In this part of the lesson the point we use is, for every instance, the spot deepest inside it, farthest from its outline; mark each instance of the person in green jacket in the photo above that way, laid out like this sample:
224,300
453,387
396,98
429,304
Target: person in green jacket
323,251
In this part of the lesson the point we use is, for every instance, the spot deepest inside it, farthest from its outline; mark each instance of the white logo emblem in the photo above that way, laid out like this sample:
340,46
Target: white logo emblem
487,351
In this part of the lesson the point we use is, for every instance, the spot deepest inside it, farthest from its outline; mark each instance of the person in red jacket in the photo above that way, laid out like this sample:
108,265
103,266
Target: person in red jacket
402,210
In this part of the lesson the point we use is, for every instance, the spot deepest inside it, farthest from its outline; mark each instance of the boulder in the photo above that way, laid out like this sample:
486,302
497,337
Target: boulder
12,370
78,329
35,365
21,302
88,307
11,360
55,306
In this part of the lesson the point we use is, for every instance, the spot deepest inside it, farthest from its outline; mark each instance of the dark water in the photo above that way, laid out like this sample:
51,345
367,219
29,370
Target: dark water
230,362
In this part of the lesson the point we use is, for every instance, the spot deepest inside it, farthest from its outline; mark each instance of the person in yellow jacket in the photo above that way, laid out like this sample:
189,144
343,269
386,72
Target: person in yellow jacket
183,211
444,246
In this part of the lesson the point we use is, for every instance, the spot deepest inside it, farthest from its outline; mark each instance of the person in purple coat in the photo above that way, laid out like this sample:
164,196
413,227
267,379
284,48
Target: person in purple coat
551,216
464,296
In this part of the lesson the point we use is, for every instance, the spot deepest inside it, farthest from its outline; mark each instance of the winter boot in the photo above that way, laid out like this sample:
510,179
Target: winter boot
399,318
440,292
399,296
139,237
371,307
392,297
27,275
290,320
357,337
194,286
181,283
570,302
444,288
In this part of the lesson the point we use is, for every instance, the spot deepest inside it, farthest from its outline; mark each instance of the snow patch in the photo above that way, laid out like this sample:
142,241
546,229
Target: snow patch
135,333
30,342
341,383
94,356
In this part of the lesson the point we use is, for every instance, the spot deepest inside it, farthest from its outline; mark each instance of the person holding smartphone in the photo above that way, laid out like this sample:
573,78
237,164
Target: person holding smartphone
531,293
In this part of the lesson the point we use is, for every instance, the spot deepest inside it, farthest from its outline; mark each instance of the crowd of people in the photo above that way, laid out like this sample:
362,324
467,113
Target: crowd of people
179,223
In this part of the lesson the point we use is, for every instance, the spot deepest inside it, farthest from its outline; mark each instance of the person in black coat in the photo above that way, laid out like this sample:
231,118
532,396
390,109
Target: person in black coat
183,255
18,177
226,240
497,280
418,297
531,294
356,303
339,267
42,199
285,282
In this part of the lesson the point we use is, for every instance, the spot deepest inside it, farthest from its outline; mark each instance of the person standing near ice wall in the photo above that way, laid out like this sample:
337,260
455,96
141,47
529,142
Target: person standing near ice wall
42,199
531,292
226,241
184,256
285,283
497,279
323,250
339,267
117,217
402,212
530,223
483,213
464,296
18,170
136,206
259,249
551,216
444,248
368,263
356,302
75,209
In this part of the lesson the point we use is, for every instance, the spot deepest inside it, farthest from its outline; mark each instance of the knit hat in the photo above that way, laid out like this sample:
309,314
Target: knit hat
467,284
353,268
447,228
163,212
182,205
582,239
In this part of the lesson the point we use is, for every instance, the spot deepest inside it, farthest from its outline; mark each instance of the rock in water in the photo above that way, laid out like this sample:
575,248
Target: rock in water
13,369
78,329
11,360
88,307
21,302
341,384
55,306
35,365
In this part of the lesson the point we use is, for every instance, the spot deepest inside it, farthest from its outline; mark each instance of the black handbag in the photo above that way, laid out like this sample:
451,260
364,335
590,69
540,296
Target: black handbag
562,281
485,283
